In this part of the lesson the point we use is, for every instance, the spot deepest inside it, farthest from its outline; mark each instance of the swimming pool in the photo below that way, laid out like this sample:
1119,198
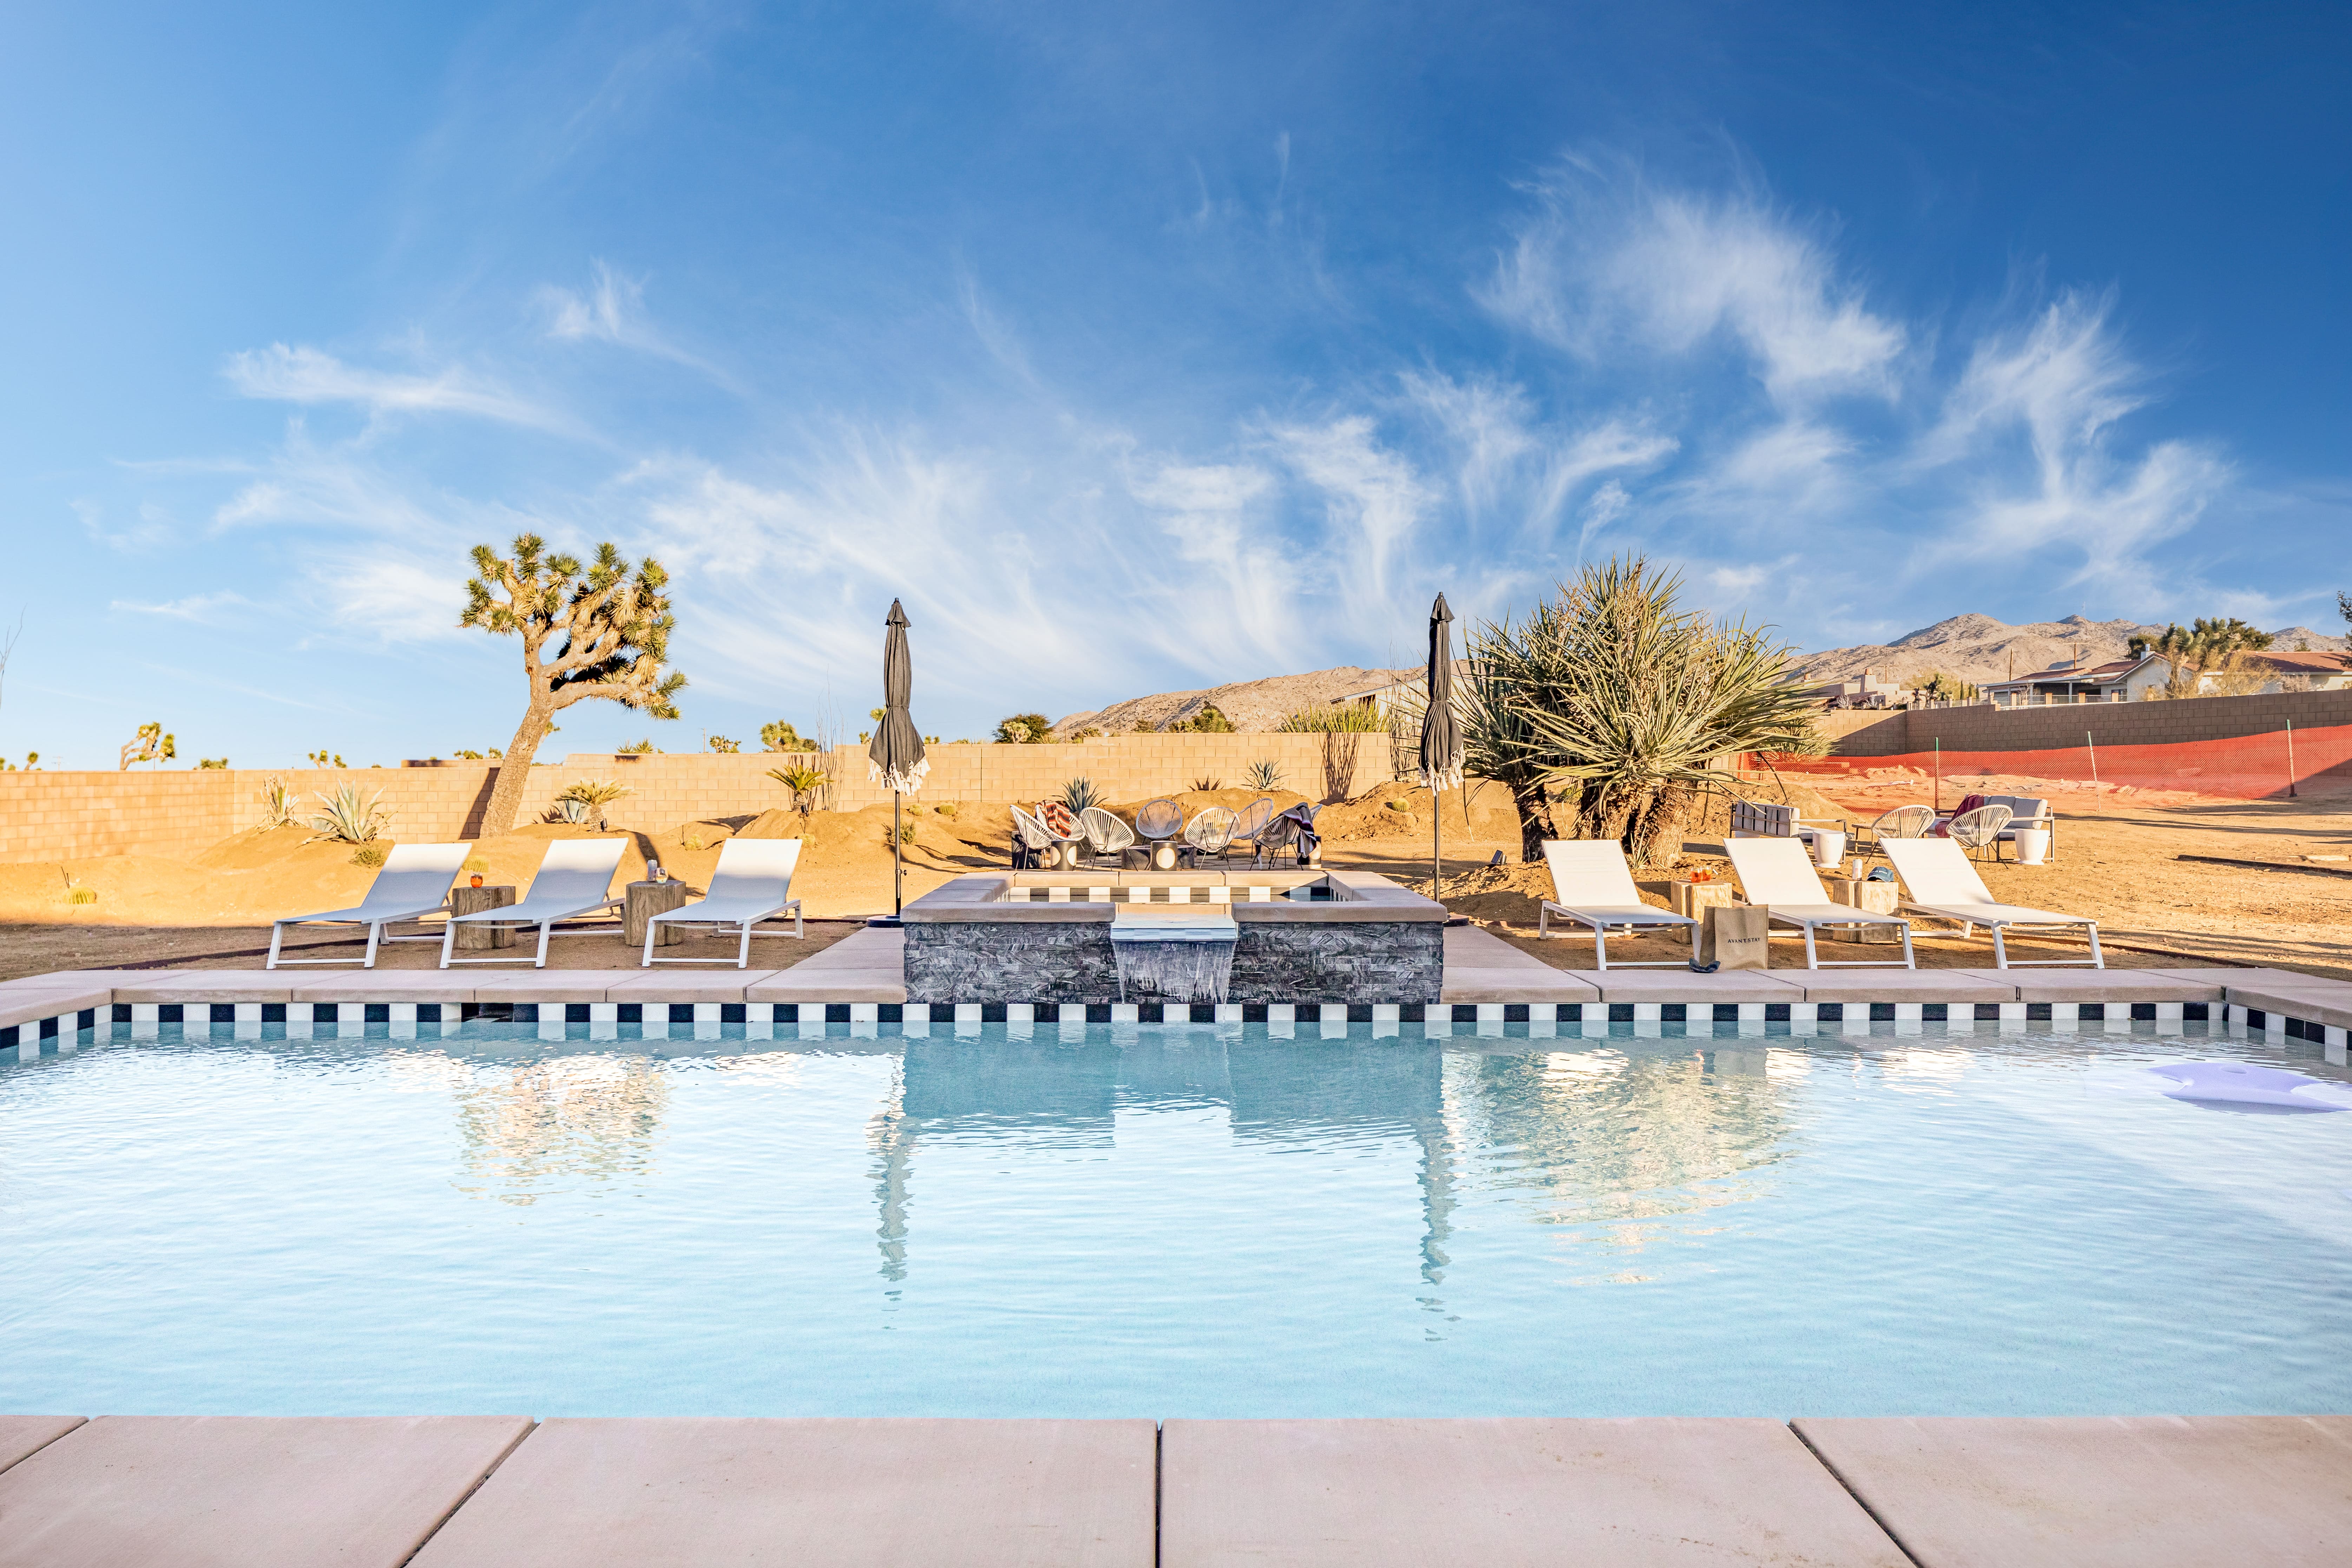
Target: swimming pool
1167,1221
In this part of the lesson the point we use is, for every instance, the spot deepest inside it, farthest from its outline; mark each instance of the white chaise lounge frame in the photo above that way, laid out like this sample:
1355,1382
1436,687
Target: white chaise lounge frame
1778,874
574,880
1592,885
752,883
412,883
1939,881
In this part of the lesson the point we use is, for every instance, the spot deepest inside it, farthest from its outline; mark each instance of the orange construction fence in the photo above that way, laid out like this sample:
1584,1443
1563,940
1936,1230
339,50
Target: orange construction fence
2272,766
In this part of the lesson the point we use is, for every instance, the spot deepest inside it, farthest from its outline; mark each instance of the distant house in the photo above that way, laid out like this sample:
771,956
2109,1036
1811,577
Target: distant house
2308,672
2117,680
1388,696
2133,679
1868,690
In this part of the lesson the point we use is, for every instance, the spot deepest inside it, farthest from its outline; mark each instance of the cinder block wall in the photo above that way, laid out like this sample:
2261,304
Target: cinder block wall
76,816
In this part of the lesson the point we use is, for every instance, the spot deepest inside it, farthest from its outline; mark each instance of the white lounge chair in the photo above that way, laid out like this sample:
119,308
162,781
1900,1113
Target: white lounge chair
413,882
1779,875
1939,881
1592,884
576,879
753,883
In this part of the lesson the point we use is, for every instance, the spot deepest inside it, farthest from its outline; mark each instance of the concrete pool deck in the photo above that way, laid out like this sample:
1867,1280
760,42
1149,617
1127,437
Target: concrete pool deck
473,1491
859,980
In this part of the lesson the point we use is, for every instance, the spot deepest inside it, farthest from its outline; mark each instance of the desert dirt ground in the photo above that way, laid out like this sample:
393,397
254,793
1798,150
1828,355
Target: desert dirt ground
2119,859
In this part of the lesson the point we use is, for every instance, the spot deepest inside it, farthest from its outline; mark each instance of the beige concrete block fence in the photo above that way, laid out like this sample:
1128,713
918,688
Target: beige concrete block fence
79,815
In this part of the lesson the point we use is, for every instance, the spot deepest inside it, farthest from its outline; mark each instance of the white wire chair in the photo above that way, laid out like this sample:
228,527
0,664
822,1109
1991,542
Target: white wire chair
1902,821
1032,841
1254,820
1107,836
1211,831
1973,830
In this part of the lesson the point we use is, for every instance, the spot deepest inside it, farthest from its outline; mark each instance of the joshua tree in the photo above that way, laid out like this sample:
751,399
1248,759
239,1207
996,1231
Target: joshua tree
779,736
2208,644
609,630
722,744
1603,711
1023,729
150,745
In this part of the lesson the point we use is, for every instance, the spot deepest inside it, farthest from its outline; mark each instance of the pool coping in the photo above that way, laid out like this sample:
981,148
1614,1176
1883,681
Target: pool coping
1870,1492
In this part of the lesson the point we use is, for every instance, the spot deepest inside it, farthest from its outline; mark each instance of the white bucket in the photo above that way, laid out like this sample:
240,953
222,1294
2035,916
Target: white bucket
1829,848
2032,845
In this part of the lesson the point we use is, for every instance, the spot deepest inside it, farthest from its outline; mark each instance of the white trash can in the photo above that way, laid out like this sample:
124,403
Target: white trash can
1829,848
2032,845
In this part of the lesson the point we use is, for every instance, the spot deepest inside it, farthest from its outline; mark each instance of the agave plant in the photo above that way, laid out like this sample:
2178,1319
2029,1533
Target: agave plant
348,819
1080,793
571,808
1605,711
1208,785
1264,776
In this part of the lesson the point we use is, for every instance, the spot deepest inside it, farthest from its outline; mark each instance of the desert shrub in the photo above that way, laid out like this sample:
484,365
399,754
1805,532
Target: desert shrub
1205,784
211,764
348,819
325,759
945,808
1209,720
692,841
368,855
1350,719
643,747
1264,776
276,803
476,863
571,811
905,834
1080,793
77,894
722,744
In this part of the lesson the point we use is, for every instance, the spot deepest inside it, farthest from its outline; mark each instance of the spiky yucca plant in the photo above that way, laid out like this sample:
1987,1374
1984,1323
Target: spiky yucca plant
1264,776
348,819
1604,710
1080,793
804,782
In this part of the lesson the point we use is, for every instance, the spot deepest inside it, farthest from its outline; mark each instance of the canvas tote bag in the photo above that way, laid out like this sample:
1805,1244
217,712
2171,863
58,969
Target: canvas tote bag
1732,936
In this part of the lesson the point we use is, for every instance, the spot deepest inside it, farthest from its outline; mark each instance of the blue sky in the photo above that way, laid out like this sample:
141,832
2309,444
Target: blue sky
1133,347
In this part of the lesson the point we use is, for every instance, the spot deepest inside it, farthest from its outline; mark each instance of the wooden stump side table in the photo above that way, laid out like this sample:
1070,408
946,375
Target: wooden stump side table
465,900
1878,898
1695,899
643,901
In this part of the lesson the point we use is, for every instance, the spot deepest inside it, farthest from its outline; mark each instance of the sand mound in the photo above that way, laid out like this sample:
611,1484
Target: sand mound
1482,813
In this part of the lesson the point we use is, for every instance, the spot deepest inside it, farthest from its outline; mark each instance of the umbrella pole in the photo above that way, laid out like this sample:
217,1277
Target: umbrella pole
1436,847
898,870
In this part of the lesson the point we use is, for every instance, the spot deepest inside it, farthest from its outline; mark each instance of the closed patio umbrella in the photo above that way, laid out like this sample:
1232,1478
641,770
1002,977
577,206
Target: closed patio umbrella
1441,734
896,756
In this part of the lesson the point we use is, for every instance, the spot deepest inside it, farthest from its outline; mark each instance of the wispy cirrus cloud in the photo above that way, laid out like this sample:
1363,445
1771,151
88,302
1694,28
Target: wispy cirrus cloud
611,310
299,374
202,609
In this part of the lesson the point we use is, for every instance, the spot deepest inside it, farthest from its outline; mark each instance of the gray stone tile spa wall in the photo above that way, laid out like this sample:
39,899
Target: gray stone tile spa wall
1337,961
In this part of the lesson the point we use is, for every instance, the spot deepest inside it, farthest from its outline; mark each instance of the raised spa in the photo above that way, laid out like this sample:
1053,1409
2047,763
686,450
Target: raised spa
1293,936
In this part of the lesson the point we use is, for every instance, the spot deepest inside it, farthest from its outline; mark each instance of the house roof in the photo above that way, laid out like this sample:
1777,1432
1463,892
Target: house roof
2316,661
2106,674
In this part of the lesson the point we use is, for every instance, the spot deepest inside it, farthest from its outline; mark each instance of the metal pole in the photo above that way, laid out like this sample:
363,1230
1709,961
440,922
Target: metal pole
2290,759
2095,765
898,869
1939,773
1437,840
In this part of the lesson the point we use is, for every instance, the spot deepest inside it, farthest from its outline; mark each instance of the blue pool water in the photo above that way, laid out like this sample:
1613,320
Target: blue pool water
1124,1220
